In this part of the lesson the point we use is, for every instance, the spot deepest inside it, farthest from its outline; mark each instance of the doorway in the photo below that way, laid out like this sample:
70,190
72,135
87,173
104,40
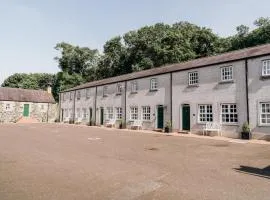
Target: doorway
160,117
186,117
101,116
26,110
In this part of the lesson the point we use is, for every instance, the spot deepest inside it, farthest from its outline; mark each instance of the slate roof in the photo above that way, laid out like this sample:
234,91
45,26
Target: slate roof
24,95
201,62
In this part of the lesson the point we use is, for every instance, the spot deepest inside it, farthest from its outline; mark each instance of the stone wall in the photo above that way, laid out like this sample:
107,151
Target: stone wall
13,111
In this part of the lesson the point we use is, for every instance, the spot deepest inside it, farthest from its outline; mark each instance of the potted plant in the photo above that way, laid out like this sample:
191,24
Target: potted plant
168,127
245,134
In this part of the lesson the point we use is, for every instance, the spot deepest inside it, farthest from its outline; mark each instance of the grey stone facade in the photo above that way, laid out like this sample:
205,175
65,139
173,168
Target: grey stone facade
230,90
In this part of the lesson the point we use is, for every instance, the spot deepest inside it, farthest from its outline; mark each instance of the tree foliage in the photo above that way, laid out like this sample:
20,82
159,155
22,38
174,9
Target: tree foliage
145,48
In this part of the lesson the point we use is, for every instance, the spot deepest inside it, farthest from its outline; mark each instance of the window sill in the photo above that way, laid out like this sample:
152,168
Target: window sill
263,77
264,125
193,86
153,90
226,82
118,94
229,124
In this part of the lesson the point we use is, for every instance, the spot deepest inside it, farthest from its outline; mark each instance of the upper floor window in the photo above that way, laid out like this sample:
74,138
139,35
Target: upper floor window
63,96
8,107
193,78
134,113
105,91
70,96
119,88
266,68
78,95
229,113
265,113
227,73
87,93
146,113
134,86
153,84
205,113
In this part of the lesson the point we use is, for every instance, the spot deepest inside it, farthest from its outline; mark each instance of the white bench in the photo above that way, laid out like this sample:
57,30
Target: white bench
212,126
136,124
111,123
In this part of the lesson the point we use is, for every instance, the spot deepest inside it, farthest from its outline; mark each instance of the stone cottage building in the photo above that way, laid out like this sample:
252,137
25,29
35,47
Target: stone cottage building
27,105
229,89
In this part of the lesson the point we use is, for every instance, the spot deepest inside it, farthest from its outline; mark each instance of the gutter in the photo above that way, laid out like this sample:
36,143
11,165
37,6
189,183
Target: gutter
247,92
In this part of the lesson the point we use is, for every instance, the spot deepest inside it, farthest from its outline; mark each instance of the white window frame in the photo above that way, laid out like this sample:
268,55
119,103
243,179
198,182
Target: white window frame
105,91
205,115
78,113
193,78
109,113
134,113
8,107
42,107
146,113
78,95
153,84
266,67
118,111
88,93
232,111
119,88
266,113
134,86
226,73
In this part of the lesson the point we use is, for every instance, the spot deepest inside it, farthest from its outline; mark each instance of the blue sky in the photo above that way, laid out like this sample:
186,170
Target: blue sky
31,28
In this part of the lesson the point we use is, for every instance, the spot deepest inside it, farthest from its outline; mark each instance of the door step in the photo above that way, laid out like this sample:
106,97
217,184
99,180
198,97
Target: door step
184,132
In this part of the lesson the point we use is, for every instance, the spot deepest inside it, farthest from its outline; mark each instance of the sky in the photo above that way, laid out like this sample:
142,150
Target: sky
30,29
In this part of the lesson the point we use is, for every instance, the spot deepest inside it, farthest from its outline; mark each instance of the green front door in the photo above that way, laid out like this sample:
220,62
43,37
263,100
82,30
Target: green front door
186,117
160,117
26,110
101,116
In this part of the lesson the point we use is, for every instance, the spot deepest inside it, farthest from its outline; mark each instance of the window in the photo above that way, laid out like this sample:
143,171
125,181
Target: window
118,113
134,113
8,107
63,96
193,78
205,113
87,93
66,112
78,95
265,113
229,113
42,107
105,91
70,96
266,68
109,112
84,113
146,113
134,86
70,113
227,73
118,88
153,84
78,113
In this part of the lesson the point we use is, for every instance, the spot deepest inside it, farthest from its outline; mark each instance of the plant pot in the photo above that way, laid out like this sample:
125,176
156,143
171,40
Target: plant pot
167,130
245,135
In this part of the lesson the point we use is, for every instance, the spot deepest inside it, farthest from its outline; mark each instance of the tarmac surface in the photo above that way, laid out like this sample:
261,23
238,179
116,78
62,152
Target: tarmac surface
64,162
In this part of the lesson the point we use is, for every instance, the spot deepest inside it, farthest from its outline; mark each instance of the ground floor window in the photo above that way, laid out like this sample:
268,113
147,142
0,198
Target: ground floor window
78,113
134,113
84,111
205,113
229,113
109,112
265,113
118,113
70,113
146,113
66,112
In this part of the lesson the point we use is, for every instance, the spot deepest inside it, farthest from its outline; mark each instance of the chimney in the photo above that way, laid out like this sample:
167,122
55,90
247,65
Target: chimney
49,89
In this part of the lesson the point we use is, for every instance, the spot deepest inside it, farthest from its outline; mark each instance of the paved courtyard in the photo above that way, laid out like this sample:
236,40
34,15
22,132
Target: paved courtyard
62,162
